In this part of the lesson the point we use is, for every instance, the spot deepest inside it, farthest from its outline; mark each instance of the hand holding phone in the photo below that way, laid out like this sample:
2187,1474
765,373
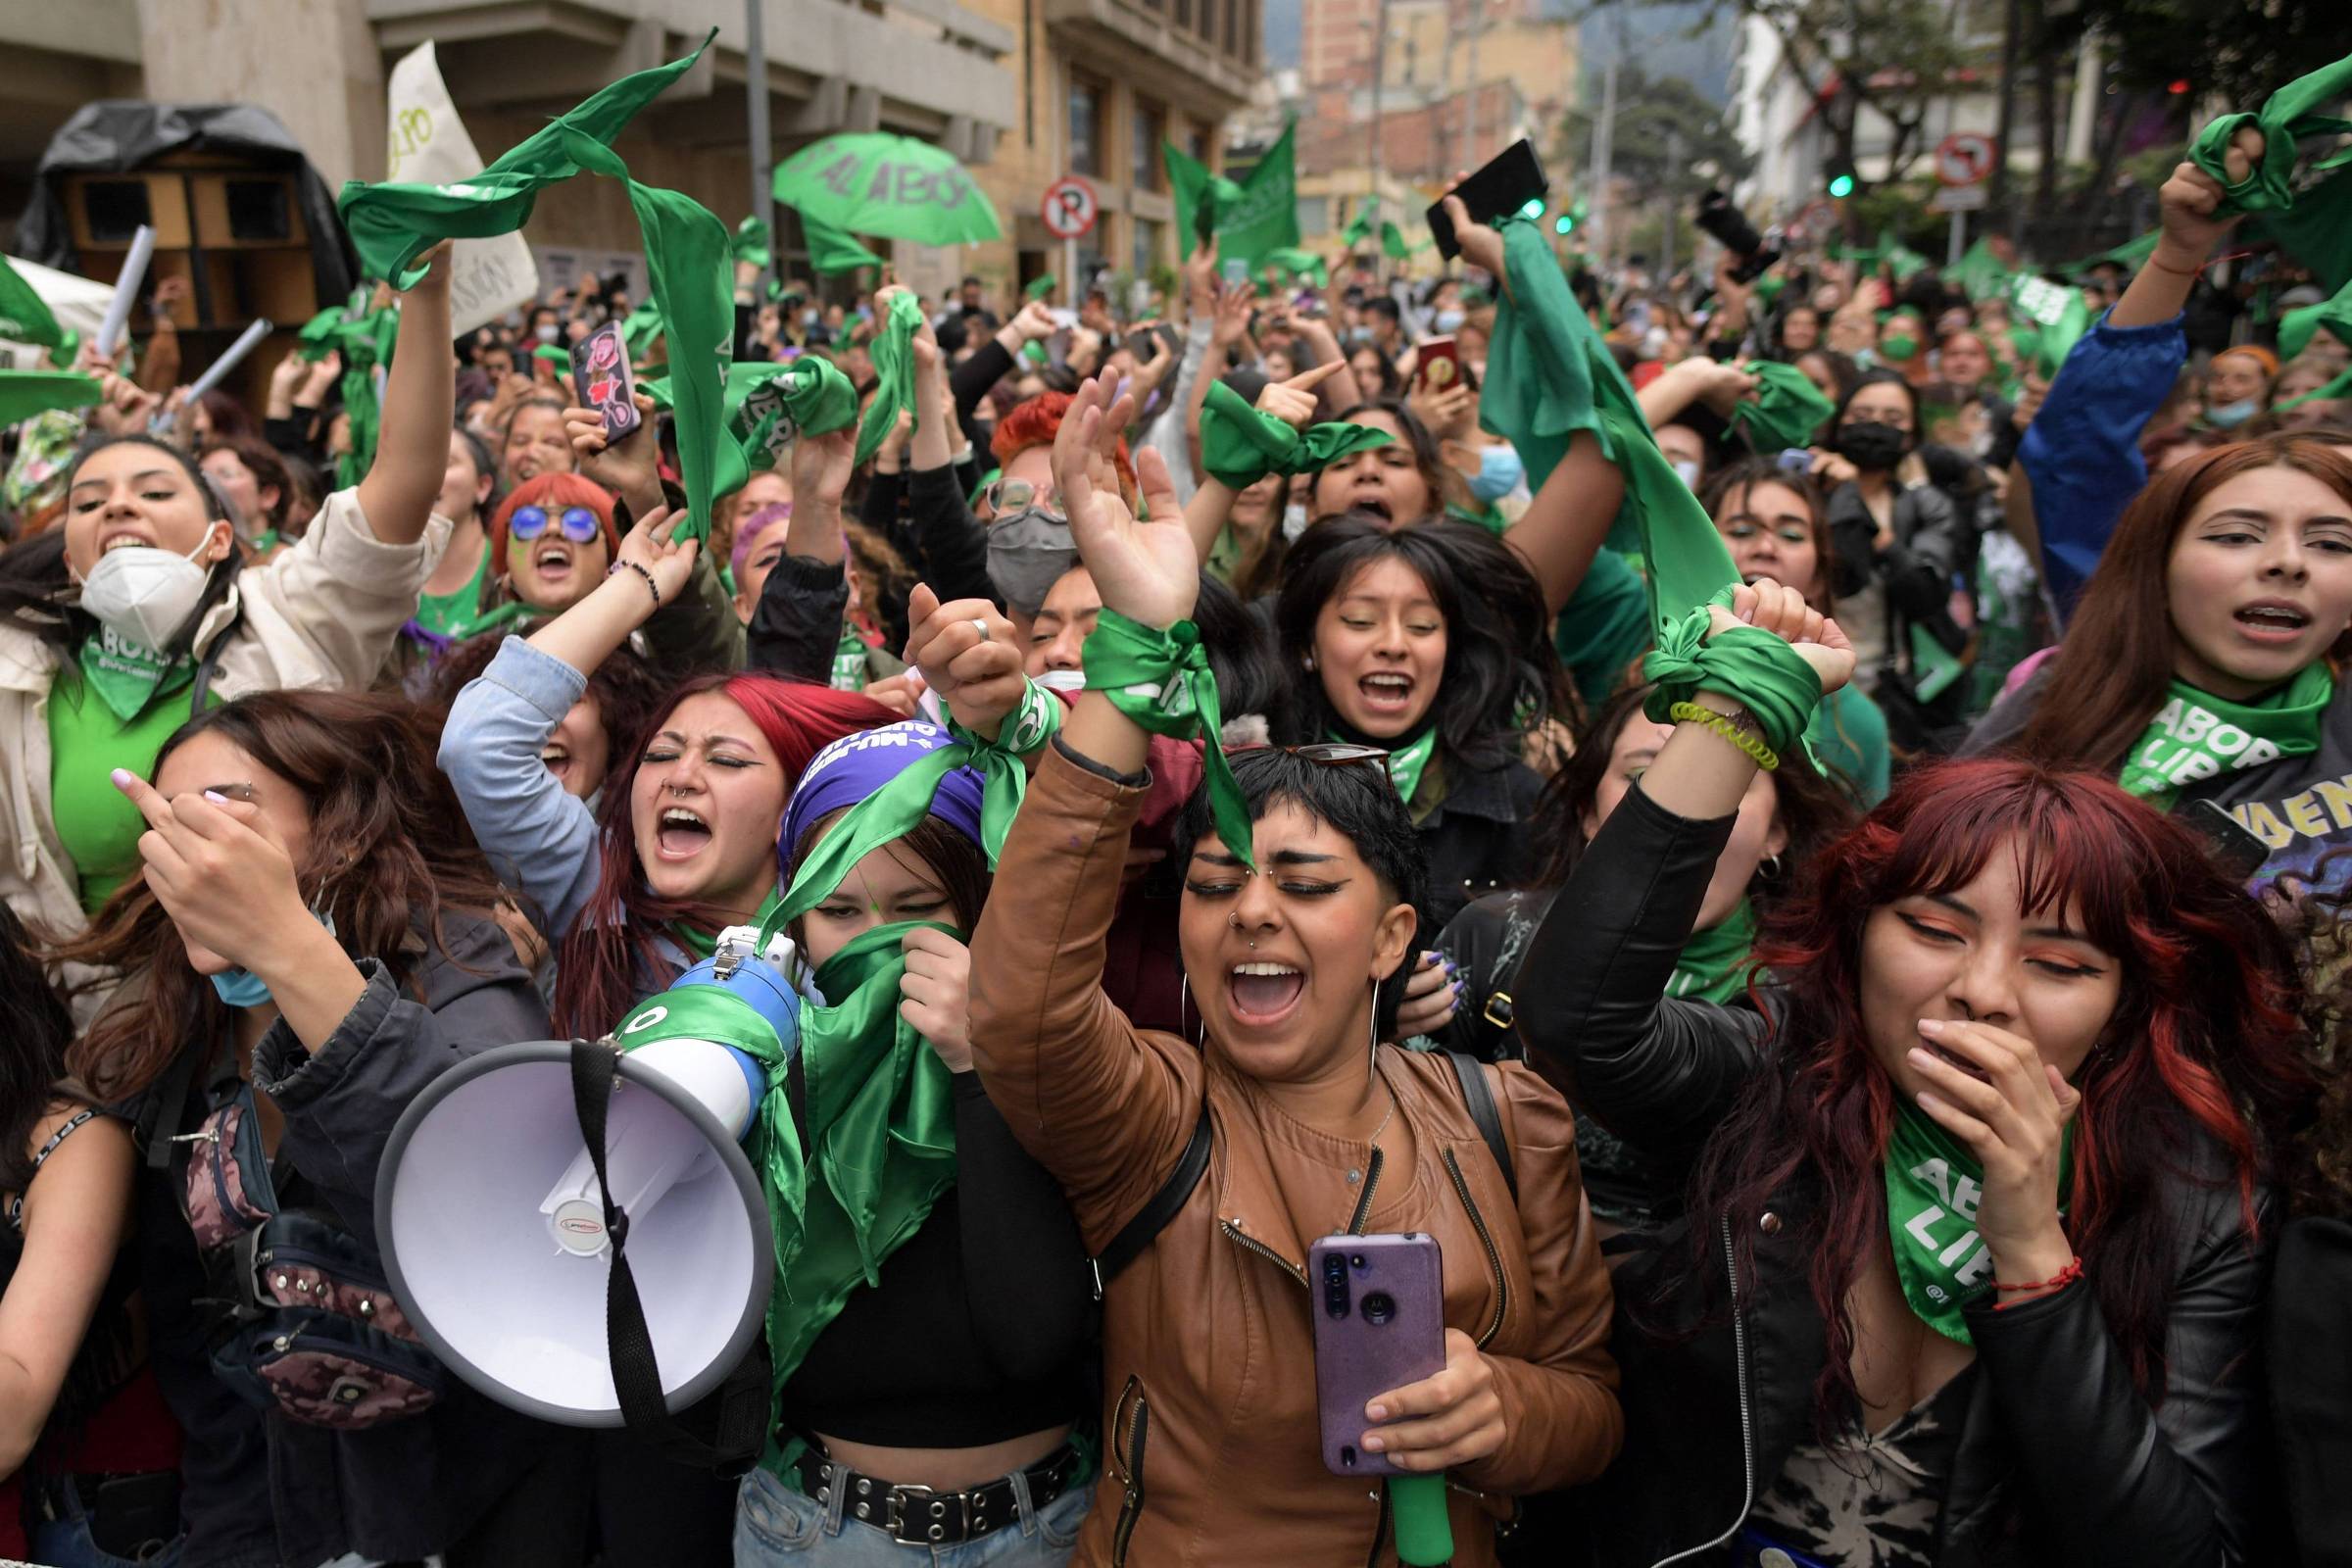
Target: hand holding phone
599,375
1508,181
1380,1325
1436,365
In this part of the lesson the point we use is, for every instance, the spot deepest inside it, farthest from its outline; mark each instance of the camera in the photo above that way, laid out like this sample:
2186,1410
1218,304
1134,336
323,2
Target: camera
1729,226
1335,1285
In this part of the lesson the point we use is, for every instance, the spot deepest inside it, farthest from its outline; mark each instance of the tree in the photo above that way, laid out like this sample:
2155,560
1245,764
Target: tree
1651,116
2237,51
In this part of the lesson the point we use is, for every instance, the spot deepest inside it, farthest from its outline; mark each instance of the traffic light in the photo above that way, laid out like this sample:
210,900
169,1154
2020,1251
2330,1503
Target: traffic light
1841,179
1566,223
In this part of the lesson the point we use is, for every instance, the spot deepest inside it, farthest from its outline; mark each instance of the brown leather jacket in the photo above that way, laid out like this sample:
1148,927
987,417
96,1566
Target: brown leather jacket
1212,1455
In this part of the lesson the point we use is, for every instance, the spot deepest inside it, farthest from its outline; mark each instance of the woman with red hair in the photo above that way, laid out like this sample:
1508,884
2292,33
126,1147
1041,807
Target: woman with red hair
551,541
1977,1197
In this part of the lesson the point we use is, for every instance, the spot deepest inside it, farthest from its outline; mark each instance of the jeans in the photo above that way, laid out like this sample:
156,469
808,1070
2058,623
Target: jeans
65,1541
777,1525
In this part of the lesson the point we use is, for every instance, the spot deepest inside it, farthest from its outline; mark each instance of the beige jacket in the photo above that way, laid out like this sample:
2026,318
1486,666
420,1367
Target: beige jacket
320,614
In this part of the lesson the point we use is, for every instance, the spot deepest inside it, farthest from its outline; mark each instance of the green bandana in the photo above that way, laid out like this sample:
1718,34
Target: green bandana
1713,963
365,338
26,318
849,661
2286,120
753,243
2297,328
126,676
702,944
2197,735
686,248
1779,689
641,326
1393,243
1934,1185
25,392
2131,256
1240,445
765,406
833,250
1980,273
1405,763
1040,287
894,374
1161,680
1783,412
2058,310
1359,227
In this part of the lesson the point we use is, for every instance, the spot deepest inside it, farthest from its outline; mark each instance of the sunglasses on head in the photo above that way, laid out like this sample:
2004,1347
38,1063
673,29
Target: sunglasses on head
578,523
1339,754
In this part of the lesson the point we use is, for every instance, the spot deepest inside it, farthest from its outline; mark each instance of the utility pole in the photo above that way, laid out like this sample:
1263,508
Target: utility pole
1605,137
1477,24
1380,69
755,71
1668,186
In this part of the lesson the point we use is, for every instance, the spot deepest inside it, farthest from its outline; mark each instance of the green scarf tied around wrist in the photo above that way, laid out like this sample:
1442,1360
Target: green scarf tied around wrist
1752,665
1161,680
765,406
1934,1185
686,248
2197,735
2284,121
894,374
1785,409
1240,445
1713,965
2296,328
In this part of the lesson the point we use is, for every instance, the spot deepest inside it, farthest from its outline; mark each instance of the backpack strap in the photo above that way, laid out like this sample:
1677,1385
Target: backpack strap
1481,1099
1140,1232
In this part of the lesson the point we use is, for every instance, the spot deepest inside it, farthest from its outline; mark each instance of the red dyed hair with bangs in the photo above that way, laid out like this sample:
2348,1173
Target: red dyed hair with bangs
1036,423
610,957
2202,1040
553,492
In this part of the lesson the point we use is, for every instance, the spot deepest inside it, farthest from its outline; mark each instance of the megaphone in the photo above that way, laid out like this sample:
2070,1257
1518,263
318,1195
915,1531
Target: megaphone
491,1222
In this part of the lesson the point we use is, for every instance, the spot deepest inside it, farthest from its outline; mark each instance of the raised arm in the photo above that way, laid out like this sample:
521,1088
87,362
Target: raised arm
76,1211
411,446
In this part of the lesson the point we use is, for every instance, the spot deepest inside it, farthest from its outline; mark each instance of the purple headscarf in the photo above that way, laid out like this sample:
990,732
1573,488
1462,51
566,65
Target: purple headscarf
856,766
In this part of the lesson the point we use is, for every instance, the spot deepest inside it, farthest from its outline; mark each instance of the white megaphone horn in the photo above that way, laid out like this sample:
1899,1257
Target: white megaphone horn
492,1225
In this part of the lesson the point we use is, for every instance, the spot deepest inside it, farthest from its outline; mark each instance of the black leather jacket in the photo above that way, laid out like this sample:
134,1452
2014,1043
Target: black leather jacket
2060,1461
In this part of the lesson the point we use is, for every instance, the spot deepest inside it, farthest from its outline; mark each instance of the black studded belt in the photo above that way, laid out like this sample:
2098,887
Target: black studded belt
920,1516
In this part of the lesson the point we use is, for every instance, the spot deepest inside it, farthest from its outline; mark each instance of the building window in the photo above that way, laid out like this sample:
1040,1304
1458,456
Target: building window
1314,215
1151,128
1183,13
1146,246
1088,121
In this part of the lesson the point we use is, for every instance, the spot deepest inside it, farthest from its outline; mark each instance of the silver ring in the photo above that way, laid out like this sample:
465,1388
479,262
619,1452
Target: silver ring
981,626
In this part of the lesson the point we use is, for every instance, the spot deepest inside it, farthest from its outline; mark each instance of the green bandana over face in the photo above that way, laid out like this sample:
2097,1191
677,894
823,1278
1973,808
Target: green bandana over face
1783,410
849,661
1405,763
2288,118
1240,445
1713,963
1161,680
2197,735
1934,1185
894,374
125,675
686,250
25,392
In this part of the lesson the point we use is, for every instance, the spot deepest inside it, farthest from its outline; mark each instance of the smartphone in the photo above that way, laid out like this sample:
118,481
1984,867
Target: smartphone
1436,365
600,377
1510,179
2240,850
1379,1324
1236,271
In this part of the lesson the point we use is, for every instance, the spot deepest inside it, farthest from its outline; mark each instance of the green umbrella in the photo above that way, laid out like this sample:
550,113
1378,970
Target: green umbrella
894,186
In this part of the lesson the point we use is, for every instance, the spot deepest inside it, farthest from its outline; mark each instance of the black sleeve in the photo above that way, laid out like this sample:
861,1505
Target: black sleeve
1024,1265
797,623
950,545
747,322
1591,1001
879,509
291,436
970,381
2310,1366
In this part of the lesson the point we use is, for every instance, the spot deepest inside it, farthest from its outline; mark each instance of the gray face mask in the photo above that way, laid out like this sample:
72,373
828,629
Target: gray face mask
1028,551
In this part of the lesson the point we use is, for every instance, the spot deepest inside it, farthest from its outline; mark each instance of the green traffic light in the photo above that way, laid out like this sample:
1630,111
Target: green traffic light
1841,186
1534,208
1563,224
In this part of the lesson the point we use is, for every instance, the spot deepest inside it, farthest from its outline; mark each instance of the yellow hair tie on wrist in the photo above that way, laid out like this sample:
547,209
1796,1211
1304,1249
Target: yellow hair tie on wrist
1690,712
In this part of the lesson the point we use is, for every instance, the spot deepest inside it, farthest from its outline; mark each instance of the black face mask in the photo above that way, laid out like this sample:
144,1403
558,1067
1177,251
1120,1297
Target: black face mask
1872,448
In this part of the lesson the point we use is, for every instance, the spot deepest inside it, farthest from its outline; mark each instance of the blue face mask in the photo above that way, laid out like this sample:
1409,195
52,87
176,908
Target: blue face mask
1500,472
1447,321
2231,415
242,987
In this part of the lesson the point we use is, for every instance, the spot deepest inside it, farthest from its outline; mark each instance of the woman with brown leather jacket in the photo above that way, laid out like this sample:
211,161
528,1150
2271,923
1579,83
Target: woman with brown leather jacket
1972,1269
1212,1447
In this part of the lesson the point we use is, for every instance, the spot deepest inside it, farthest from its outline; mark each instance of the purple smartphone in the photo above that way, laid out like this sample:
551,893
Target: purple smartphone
600,374
1379,1324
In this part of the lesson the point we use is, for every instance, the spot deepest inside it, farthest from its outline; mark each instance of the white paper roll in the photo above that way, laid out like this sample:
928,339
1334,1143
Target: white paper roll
245,344
127,290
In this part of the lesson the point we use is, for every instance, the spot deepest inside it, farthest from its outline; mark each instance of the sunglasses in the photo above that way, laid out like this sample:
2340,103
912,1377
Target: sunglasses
1008,496
1339,754
578,523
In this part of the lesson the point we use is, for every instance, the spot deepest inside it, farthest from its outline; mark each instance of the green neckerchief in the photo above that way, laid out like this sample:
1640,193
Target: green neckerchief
1904,262
2058,310
26,318
2296,327
25,392
2286,120
1933,666
752,242
1240,445
766,404
453,613
1549,377
833,250
2197,735
1161,680
1297,263
1405,761
1713,965
894,373
849,661
1934,1185
2316,231
1764,673
702,944
269,539
1785,409
686,248
125,675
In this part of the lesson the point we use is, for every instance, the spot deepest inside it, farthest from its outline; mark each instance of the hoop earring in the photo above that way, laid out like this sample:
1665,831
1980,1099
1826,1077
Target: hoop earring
1769,867
1184,1000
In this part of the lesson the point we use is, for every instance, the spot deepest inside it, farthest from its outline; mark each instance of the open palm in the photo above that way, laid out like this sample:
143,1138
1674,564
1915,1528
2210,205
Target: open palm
1147,572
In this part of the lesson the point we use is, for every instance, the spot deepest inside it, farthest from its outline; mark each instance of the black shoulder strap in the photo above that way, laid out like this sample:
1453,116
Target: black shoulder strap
1480,1100
159,1119
1138,1232
737,1410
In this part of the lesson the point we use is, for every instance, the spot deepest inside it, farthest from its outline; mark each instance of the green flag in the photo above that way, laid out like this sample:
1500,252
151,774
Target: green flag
2290,116
2295,331
894,373
2131,256
1981,272
2057,310
1297,263
1549,377
1901,259
27,318
767,404
686,248
1359,227
831,250
1250,216
753,243
25,392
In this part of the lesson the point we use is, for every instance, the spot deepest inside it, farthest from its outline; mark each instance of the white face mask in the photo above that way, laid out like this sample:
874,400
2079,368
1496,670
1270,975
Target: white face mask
1072,682
545,331
1686,470
144,594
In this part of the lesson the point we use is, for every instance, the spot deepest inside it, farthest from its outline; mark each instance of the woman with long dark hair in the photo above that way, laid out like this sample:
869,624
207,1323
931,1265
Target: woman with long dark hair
313,940
1976,1201
2200,663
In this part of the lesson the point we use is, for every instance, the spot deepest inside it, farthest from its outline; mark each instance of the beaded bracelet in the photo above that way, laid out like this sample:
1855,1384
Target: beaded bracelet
641,572
2064,1277
1757,752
